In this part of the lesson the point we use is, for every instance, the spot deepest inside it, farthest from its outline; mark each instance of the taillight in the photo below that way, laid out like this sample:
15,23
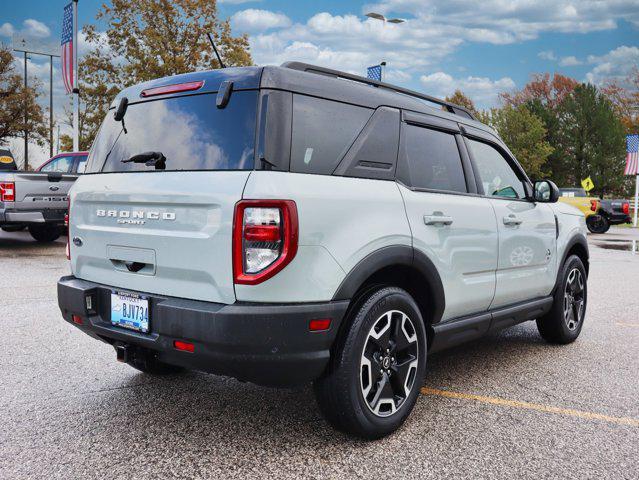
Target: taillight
625,208
8,192
265,235
593,205
66,224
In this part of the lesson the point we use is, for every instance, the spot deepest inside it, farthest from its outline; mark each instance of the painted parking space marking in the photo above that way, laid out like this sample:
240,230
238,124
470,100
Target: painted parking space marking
633,422
623,324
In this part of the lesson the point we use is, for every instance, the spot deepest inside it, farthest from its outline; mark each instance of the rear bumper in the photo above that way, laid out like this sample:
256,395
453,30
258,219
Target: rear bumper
267,344
25,217
618,219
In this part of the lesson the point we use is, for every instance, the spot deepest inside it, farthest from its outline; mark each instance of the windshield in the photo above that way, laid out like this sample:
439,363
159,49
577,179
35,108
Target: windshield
190,131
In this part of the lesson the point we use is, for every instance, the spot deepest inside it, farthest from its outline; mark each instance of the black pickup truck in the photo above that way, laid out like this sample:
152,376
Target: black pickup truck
611,212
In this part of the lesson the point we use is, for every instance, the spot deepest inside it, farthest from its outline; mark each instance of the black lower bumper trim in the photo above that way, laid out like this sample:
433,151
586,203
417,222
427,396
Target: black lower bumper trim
267,344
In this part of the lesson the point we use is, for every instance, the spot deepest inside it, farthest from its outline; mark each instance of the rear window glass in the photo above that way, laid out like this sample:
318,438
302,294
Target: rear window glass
323,131
189,131
433,159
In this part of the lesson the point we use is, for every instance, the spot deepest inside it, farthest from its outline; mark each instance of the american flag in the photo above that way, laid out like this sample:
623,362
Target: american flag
374,72
632,158
67,48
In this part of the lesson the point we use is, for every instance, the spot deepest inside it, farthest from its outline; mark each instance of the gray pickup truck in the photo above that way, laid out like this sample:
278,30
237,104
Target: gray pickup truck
38,200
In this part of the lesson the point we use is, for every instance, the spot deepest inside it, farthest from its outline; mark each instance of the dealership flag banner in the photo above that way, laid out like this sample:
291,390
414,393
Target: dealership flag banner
632,157
66,44
374,72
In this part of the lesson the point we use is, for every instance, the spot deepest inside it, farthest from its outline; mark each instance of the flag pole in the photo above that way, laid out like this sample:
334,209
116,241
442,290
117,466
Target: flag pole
76,83
636,198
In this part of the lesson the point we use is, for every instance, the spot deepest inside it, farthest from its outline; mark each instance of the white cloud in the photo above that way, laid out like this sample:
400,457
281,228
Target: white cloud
506,21
6,29
483,91
547,55
616,65
570,61
34,28
252,20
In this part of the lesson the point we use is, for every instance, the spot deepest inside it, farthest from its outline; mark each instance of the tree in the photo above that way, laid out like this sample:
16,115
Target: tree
549,92
524,133
148,39
459,98
626,101
591,138
14,98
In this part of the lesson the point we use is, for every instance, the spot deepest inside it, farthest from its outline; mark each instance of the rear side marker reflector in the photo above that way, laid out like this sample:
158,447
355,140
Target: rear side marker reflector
319,325
168,89
183,346
77,319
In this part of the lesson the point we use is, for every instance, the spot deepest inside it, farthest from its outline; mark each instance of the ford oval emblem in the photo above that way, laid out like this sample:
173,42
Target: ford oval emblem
77,241
53,188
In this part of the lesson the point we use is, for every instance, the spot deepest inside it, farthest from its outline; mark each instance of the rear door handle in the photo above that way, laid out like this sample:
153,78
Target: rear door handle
438,218
512,220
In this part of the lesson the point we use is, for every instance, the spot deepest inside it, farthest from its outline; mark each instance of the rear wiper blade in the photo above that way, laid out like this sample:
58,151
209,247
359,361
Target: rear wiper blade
150,159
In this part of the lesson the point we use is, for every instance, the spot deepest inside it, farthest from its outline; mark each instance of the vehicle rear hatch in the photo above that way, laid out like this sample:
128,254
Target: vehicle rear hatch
167,231
42,191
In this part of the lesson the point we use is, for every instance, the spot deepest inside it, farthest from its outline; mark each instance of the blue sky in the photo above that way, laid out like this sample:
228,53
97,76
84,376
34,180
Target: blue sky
481,47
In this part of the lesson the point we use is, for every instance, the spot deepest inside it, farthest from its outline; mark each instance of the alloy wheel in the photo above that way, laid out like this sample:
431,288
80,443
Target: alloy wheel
574,299
389,363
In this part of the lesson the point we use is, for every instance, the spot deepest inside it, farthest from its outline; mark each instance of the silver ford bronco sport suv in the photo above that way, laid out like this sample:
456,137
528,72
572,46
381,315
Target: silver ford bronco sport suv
296,224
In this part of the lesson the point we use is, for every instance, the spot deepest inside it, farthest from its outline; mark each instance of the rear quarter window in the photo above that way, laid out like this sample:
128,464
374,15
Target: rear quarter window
323,131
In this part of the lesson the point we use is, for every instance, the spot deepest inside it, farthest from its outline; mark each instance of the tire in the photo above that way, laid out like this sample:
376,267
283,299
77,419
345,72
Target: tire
44,233
381,349
597,224
563,324
147,362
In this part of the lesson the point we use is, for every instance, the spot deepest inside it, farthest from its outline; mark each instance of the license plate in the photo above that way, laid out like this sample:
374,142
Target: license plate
131,311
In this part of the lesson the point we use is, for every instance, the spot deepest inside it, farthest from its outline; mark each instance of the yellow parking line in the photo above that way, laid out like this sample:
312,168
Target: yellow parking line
531,406
622,324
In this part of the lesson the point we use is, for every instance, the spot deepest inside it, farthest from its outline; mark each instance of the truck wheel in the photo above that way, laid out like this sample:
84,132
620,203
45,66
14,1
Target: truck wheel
44,233
376,370
147,362
566,318
597,224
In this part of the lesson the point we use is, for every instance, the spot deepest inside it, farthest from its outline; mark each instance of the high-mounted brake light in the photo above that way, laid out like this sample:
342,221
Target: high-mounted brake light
176,88
7,192
265,236
625,208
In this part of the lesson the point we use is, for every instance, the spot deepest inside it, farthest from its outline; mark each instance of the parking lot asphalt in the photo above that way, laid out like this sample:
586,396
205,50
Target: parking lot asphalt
507,406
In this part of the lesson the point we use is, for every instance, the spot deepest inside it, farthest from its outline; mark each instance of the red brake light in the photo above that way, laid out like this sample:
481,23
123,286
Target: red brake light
183,346
77,319
179,87
8,192
265,236
625,208
593,205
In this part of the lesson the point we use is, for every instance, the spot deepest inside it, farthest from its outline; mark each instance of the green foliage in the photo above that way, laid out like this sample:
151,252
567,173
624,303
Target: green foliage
524,133
591,138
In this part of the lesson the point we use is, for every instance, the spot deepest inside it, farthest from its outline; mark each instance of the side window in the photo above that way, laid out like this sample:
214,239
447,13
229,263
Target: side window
433,159
81,165
496,174
323,131
61,165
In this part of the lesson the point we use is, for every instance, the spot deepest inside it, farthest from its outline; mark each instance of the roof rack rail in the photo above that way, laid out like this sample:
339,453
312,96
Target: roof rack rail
449,107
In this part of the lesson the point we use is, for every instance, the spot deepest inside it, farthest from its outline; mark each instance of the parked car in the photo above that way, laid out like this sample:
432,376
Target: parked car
38,200
578,198
611,212
295,224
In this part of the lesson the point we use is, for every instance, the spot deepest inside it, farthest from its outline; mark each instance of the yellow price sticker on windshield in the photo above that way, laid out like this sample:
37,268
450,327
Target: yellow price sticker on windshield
587,184
6,159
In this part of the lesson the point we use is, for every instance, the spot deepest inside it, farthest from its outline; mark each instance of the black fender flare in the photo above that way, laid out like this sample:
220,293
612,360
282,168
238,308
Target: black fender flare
394,255
578,239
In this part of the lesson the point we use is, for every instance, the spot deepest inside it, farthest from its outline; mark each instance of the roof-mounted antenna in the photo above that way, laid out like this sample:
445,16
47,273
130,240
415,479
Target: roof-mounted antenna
217,54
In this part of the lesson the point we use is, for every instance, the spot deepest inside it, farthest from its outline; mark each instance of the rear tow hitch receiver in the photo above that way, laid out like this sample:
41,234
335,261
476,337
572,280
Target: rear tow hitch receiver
122,352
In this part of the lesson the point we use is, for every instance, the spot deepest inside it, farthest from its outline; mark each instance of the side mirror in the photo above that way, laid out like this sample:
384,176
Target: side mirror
545,191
